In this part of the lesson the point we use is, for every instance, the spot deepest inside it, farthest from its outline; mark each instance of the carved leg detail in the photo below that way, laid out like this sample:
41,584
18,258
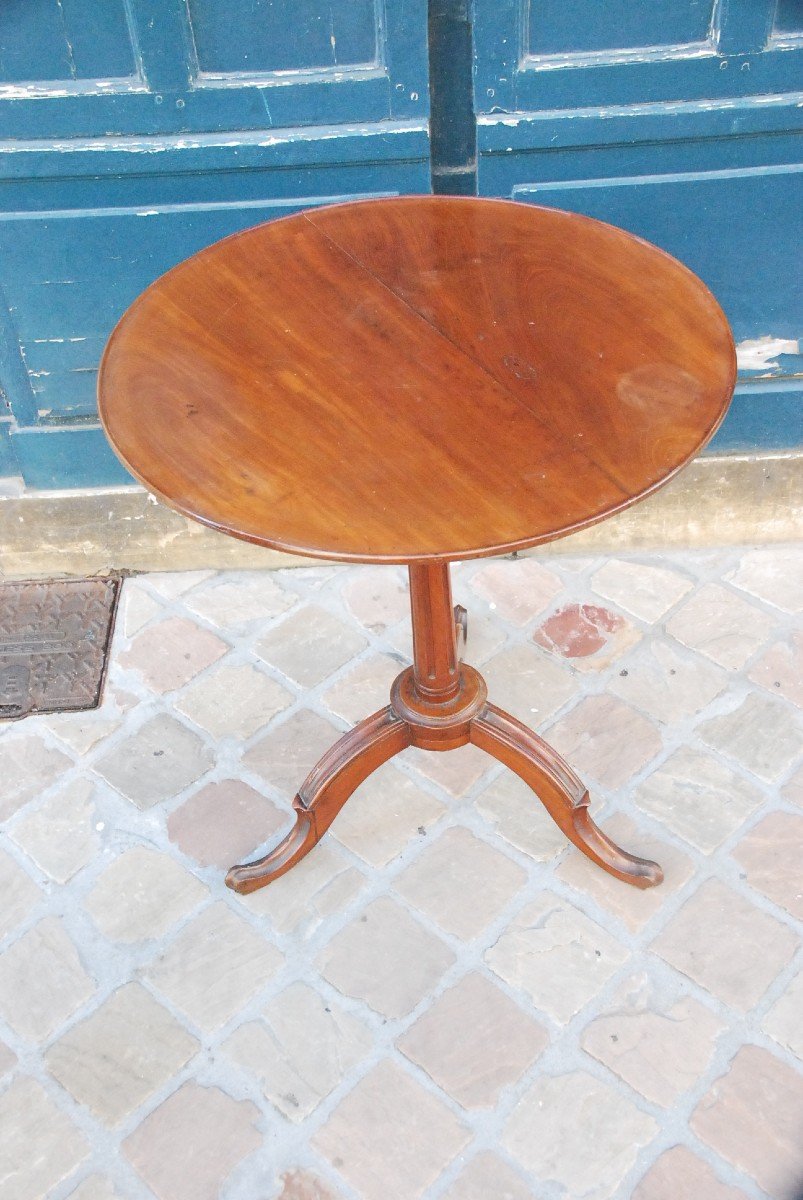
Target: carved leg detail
560,791
324,792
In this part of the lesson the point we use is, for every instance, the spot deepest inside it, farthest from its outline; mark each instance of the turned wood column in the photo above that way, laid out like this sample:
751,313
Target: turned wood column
435,663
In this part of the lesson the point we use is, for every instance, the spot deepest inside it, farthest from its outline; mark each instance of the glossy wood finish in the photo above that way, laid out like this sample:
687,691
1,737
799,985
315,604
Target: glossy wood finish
416,379
439,704
419,380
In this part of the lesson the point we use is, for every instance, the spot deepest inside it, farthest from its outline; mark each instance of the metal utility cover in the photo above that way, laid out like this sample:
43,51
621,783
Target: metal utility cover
54,638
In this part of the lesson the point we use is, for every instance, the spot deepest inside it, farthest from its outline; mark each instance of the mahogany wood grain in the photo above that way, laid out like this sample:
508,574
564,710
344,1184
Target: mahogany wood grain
419,380
415,379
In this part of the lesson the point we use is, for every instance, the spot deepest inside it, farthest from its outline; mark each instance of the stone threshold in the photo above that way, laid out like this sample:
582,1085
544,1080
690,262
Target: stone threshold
717,500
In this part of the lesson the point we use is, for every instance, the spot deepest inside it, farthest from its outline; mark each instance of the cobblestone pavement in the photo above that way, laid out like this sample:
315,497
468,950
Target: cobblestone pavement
443,1000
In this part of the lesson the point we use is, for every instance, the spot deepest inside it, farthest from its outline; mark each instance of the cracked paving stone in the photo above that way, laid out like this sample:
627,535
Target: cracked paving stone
783,1022
317,889
115,1059
309,645
646,591
368,1136
513,811
234,701
300,1050
60,835
780,669
20,894
364,689
762,734
773,574
240,600
667,683
559,957
605,739
289,751
385,813
529,684
720,625
27,767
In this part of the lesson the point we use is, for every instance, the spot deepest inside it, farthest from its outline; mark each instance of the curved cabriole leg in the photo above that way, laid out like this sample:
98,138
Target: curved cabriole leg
560,791
324,792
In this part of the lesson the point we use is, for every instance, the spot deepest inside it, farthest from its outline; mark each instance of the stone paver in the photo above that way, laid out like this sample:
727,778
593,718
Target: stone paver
460,882
156,762
19,893
40,1145
59,835
661,1051
386,812
605,739
234,701
573,1131
721,625
28,765
556,955
42,981
486,1176
644,590
167,655
300,1049
370,1134
698,797
309,645
474,1041
222,822
189,1145
770,855
214,967
120,1055
386,958
752,1116
141,894
680,1175
445,1000
726,945
762,734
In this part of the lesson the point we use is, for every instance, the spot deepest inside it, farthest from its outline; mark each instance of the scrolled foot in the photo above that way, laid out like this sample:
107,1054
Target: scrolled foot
324,792
560,791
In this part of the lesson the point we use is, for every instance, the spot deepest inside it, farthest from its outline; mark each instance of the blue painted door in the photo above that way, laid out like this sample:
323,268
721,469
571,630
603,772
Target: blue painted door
134,132
678,121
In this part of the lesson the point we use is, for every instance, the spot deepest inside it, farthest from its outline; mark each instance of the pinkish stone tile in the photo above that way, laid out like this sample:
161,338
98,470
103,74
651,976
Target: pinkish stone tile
631,905
792,790
386,813
309,645
460,882
529,684
223,822
474,1041
660,1049
517,589
27,767
385,958
137,606
40,1145
377,596
489,1178
642,589
364,689
289,751
141,894
680,1175
774,574
727,945
605,739
60,835
762,734
20,894
590,636
783,1022
721,625
171,653
155,762
752,1117
315,892
454,770
780,669
770,854
369,1135
187,1147
303,1185
513,811
171,584
233,701
42,981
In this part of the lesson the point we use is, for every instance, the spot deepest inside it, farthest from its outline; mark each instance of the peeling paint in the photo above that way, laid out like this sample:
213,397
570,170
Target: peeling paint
754,354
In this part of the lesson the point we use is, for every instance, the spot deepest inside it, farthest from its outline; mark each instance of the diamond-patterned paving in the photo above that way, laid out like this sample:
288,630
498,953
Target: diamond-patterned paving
444,1001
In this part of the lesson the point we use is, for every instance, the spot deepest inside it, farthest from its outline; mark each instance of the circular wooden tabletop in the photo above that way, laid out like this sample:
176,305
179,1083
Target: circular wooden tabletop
417,378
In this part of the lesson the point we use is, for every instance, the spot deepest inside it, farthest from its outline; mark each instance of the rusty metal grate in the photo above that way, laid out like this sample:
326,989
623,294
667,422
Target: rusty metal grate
54,639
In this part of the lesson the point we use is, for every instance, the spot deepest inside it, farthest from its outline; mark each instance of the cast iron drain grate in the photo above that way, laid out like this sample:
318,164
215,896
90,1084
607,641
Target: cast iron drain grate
54,638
